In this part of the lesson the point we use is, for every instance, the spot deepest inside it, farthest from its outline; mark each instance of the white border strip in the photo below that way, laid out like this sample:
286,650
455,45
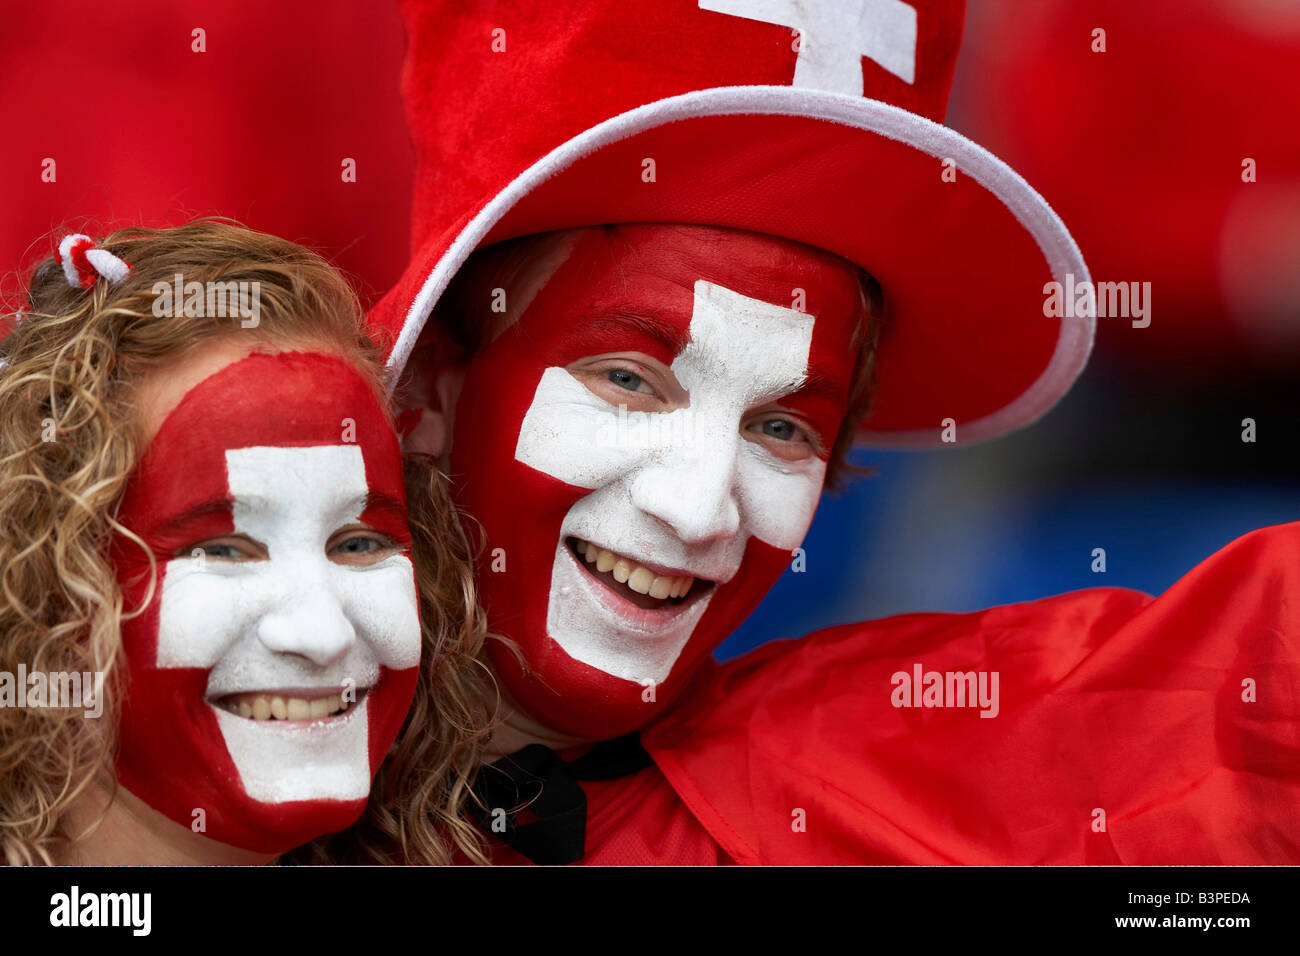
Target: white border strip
1073,346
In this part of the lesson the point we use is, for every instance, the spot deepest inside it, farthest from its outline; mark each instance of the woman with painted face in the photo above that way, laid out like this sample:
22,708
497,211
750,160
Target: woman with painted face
222,637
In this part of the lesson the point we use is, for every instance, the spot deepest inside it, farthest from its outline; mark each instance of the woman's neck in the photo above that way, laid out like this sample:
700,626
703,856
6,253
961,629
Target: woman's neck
108,828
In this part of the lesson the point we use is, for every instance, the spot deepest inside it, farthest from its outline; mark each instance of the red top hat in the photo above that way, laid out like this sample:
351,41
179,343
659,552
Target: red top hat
815,122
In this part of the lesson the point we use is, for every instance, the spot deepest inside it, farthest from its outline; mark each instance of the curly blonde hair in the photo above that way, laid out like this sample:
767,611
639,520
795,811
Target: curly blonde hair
71,361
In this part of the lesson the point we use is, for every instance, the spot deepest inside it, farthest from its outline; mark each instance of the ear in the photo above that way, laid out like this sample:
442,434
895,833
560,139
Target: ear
426,399
426,424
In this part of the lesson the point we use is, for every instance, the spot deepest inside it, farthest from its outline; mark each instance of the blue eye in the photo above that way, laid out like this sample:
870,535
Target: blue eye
779,429
359,546
220,551
239,548
625,379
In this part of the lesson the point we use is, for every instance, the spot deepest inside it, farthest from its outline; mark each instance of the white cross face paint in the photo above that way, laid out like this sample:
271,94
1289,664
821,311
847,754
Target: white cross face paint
297,622
685,504
283,473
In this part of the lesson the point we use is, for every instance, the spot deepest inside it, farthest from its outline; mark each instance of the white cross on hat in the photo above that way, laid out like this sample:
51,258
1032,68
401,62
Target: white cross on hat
834,35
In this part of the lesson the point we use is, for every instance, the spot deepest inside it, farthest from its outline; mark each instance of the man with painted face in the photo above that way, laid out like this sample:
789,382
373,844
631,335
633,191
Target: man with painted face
686,295
668,422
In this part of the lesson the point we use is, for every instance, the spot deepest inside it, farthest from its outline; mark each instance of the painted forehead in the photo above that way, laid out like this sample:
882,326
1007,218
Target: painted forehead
616,281
765,266
288,399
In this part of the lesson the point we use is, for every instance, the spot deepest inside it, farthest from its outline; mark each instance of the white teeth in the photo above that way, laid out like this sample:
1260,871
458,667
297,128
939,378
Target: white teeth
267,707
639,579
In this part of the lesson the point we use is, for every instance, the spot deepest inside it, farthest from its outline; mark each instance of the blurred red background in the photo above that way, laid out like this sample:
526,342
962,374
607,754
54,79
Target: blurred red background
146,132
1140,149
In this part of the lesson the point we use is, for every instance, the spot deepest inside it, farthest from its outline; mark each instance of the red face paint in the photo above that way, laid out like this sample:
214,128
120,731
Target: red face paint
544,461
292,455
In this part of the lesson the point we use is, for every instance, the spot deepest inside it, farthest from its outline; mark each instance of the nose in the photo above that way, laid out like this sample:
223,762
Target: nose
693,493
313,626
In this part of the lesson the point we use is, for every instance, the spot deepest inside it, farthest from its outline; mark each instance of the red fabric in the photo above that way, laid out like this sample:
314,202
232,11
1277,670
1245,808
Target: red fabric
1109,699
570,64
85,271
637,821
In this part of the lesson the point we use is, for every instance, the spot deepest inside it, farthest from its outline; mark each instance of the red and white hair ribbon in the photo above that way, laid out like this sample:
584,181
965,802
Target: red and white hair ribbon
83,263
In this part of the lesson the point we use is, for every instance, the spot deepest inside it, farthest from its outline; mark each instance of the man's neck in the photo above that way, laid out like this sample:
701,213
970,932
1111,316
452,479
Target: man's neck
516,729
114,828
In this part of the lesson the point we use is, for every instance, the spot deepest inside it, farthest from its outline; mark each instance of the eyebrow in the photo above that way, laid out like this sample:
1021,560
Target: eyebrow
385,504
206,509
611,323
817,385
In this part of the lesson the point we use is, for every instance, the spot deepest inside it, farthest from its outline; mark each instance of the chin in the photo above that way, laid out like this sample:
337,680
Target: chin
574,699
285,827
599,663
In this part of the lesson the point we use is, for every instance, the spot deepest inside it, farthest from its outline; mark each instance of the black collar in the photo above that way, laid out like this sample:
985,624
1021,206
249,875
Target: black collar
537,778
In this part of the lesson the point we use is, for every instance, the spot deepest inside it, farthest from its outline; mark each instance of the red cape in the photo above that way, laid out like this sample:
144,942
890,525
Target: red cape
1109,701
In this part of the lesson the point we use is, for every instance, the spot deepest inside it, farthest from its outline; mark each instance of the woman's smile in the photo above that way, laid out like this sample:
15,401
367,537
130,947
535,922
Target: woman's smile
294,705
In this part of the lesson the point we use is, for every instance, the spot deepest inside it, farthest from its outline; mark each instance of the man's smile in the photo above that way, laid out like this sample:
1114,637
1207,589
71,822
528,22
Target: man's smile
646,587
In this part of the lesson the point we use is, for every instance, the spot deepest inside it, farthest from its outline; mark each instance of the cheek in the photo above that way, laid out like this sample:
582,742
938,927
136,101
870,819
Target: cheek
203,611
496,424
573,435
777,505
381,603
486,423
778,499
